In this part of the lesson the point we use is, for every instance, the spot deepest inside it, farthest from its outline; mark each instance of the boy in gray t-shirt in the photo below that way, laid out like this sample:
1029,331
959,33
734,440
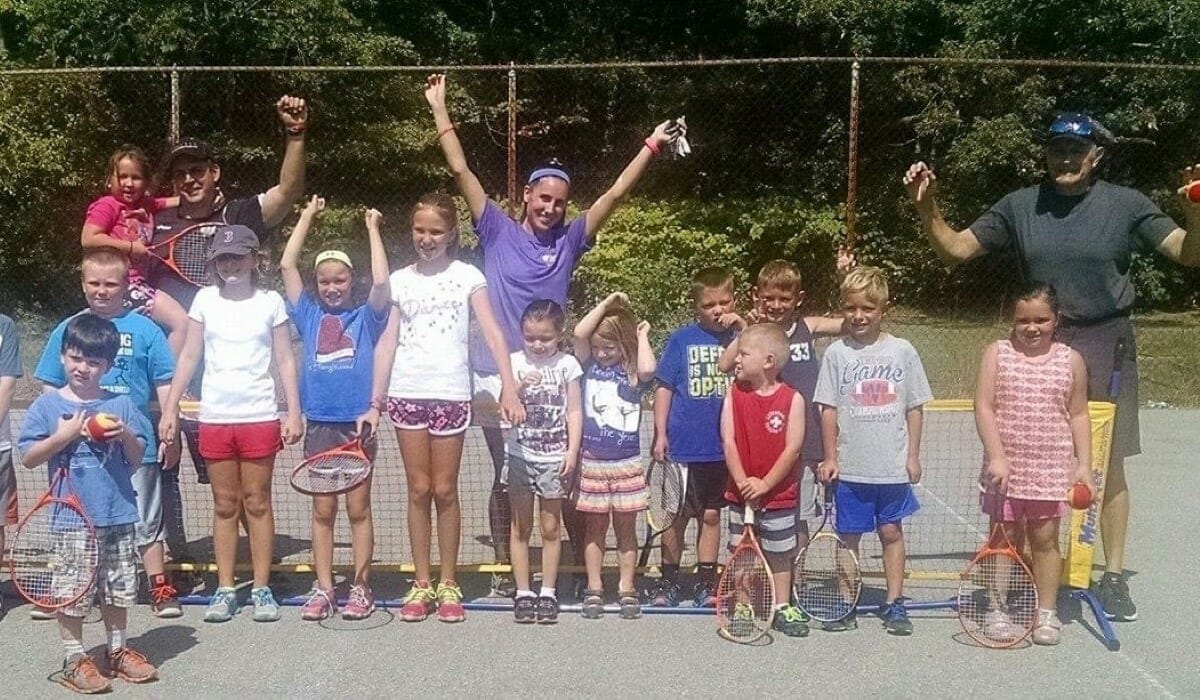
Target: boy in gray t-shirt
870,390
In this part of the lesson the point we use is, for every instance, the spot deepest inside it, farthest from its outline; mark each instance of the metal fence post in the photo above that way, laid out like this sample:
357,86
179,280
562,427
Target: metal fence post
175,106
512,139
852,162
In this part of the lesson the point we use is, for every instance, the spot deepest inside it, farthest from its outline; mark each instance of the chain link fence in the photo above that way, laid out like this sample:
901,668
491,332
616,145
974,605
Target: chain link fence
792,157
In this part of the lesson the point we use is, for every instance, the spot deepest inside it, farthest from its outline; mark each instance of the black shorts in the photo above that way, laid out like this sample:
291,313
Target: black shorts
1097,344
706,482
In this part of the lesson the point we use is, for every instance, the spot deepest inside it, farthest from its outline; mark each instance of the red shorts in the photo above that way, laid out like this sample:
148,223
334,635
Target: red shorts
1011,510
224,441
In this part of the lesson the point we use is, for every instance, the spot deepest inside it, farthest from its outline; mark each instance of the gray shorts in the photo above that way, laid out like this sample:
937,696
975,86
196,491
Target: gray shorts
147,486
538,478
321,435
776,529
116,576
1097,344
8,489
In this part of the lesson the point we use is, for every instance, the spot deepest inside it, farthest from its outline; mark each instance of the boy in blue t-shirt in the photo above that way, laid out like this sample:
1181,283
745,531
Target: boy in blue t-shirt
142,369
687,429
55,434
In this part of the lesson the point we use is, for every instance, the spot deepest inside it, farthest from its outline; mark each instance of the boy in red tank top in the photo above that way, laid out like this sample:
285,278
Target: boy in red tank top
762,431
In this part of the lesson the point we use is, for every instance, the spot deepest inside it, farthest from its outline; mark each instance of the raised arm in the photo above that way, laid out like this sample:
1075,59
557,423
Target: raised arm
603,207
582,335
1179,246
952,246
468,184
647,364
381,288
277,201
289,262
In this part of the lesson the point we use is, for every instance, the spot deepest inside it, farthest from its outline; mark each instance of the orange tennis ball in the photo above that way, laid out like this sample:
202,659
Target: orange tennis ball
1079,496
1193,191
99,424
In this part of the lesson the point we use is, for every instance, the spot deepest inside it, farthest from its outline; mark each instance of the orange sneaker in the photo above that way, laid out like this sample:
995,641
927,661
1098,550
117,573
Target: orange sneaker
132,666
82,676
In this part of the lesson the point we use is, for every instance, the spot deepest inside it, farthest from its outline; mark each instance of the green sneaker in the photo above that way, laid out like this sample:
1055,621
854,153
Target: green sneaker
791,621
741,623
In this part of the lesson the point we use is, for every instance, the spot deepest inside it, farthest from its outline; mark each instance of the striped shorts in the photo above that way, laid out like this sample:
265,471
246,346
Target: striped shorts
776,529
617,486
116,578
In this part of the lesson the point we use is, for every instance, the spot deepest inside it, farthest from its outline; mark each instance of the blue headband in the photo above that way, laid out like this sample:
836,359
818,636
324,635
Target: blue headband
549,172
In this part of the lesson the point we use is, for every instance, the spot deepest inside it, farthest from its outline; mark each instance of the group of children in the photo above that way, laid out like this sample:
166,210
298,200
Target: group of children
743,403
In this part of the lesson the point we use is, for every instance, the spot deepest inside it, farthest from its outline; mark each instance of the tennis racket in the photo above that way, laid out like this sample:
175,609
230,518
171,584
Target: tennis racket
746,591
333,471
55,553
997,601
826,577
186,252
665,485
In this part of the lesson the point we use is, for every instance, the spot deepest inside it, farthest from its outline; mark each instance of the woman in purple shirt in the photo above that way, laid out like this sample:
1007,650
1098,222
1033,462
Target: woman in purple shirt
523,261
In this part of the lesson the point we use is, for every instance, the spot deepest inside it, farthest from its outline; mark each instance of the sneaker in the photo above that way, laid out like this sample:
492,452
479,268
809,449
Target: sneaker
360,604
36,613
419,603
163,601
1048,627
998,625
742,621
547,610
320,605
525,609
664,595
222,606
593,604
265,607
502,586
703,595
449,602
131,666
631,606
791,621
895,618
847,623
1113,593
81,675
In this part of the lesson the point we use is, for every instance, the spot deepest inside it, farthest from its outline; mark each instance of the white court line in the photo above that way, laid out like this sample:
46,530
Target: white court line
1146,676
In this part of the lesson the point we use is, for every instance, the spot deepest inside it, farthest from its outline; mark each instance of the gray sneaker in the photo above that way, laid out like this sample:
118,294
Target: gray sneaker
222,606
265,607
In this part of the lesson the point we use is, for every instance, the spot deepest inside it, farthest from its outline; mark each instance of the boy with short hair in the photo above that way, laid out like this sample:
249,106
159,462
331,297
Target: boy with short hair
10,371
55,434
762,430
687,416
143,366
871,391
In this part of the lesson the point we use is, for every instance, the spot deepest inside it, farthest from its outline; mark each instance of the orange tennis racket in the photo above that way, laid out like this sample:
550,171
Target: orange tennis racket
186,252
746,591
54,553
333,471
997,601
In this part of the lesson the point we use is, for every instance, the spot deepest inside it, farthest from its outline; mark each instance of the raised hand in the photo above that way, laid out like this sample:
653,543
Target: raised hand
314,206
920,183
293,113
435,91
373,219
1188,178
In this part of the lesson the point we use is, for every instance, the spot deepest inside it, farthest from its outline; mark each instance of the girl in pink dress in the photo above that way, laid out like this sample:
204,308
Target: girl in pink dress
1032,416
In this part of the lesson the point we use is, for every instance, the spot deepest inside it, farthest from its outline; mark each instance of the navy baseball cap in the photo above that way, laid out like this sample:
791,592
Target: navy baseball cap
232,240
192,148
1074,125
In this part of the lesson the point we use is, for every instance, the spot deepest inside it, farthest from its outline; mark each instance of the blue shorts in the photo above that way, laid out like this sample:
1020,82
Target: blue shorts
865,507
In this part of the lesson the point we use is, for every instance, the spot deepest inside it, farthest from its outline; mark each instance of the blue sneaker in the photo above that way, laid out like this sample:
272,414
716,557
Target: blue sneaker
704,595
265,607
222,606
895,618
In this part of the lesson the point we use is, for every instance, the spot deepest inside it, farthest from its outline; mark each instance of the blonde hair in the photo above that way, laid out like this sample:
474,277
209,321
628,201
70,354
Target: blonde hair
711,278
619,325
868,280
780,274
771,338
105,257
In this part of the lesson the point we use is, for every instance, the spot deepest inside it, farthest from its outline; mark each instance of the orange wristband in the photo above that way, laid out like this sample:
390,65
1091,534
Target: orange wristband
652,145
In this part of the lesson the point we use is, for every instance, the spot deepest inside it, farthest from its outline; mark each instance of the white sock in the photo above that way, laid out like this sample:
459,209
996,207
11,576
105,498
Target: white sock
525,593
72,648
548,592
116,640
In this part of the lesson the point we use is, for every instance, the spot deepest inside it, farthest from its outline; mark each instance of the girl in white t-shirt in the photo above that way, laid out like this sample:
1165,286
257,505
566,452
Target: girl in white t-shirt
239,329
422,362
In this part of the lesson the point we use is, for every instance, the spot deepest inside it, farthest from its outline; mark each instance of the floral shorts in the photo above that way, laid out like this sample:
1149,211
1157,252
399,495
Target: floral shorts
438,417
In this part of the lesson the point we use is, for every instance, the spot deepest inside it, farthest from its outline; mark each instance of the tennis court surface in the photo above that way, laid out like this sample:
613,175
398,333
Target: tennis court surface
681,654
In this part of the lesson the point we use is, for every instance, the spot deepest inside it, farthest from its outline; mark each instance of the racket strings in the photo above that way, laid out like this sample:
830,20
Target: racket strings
189,252
54,555
997,600
331,473
665,495
745,596
828,579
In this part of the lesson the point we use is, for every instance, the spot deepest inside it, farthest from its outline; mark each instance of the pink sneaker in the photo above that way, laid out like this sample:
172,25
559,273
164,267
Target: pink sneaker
419,603
320,605
449,602
360,605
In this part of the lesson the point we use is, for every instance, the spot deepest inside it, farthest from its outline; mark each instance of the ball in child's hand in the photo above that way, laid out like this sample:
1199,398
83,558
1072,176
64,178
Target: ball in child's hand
99,425
1079,496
